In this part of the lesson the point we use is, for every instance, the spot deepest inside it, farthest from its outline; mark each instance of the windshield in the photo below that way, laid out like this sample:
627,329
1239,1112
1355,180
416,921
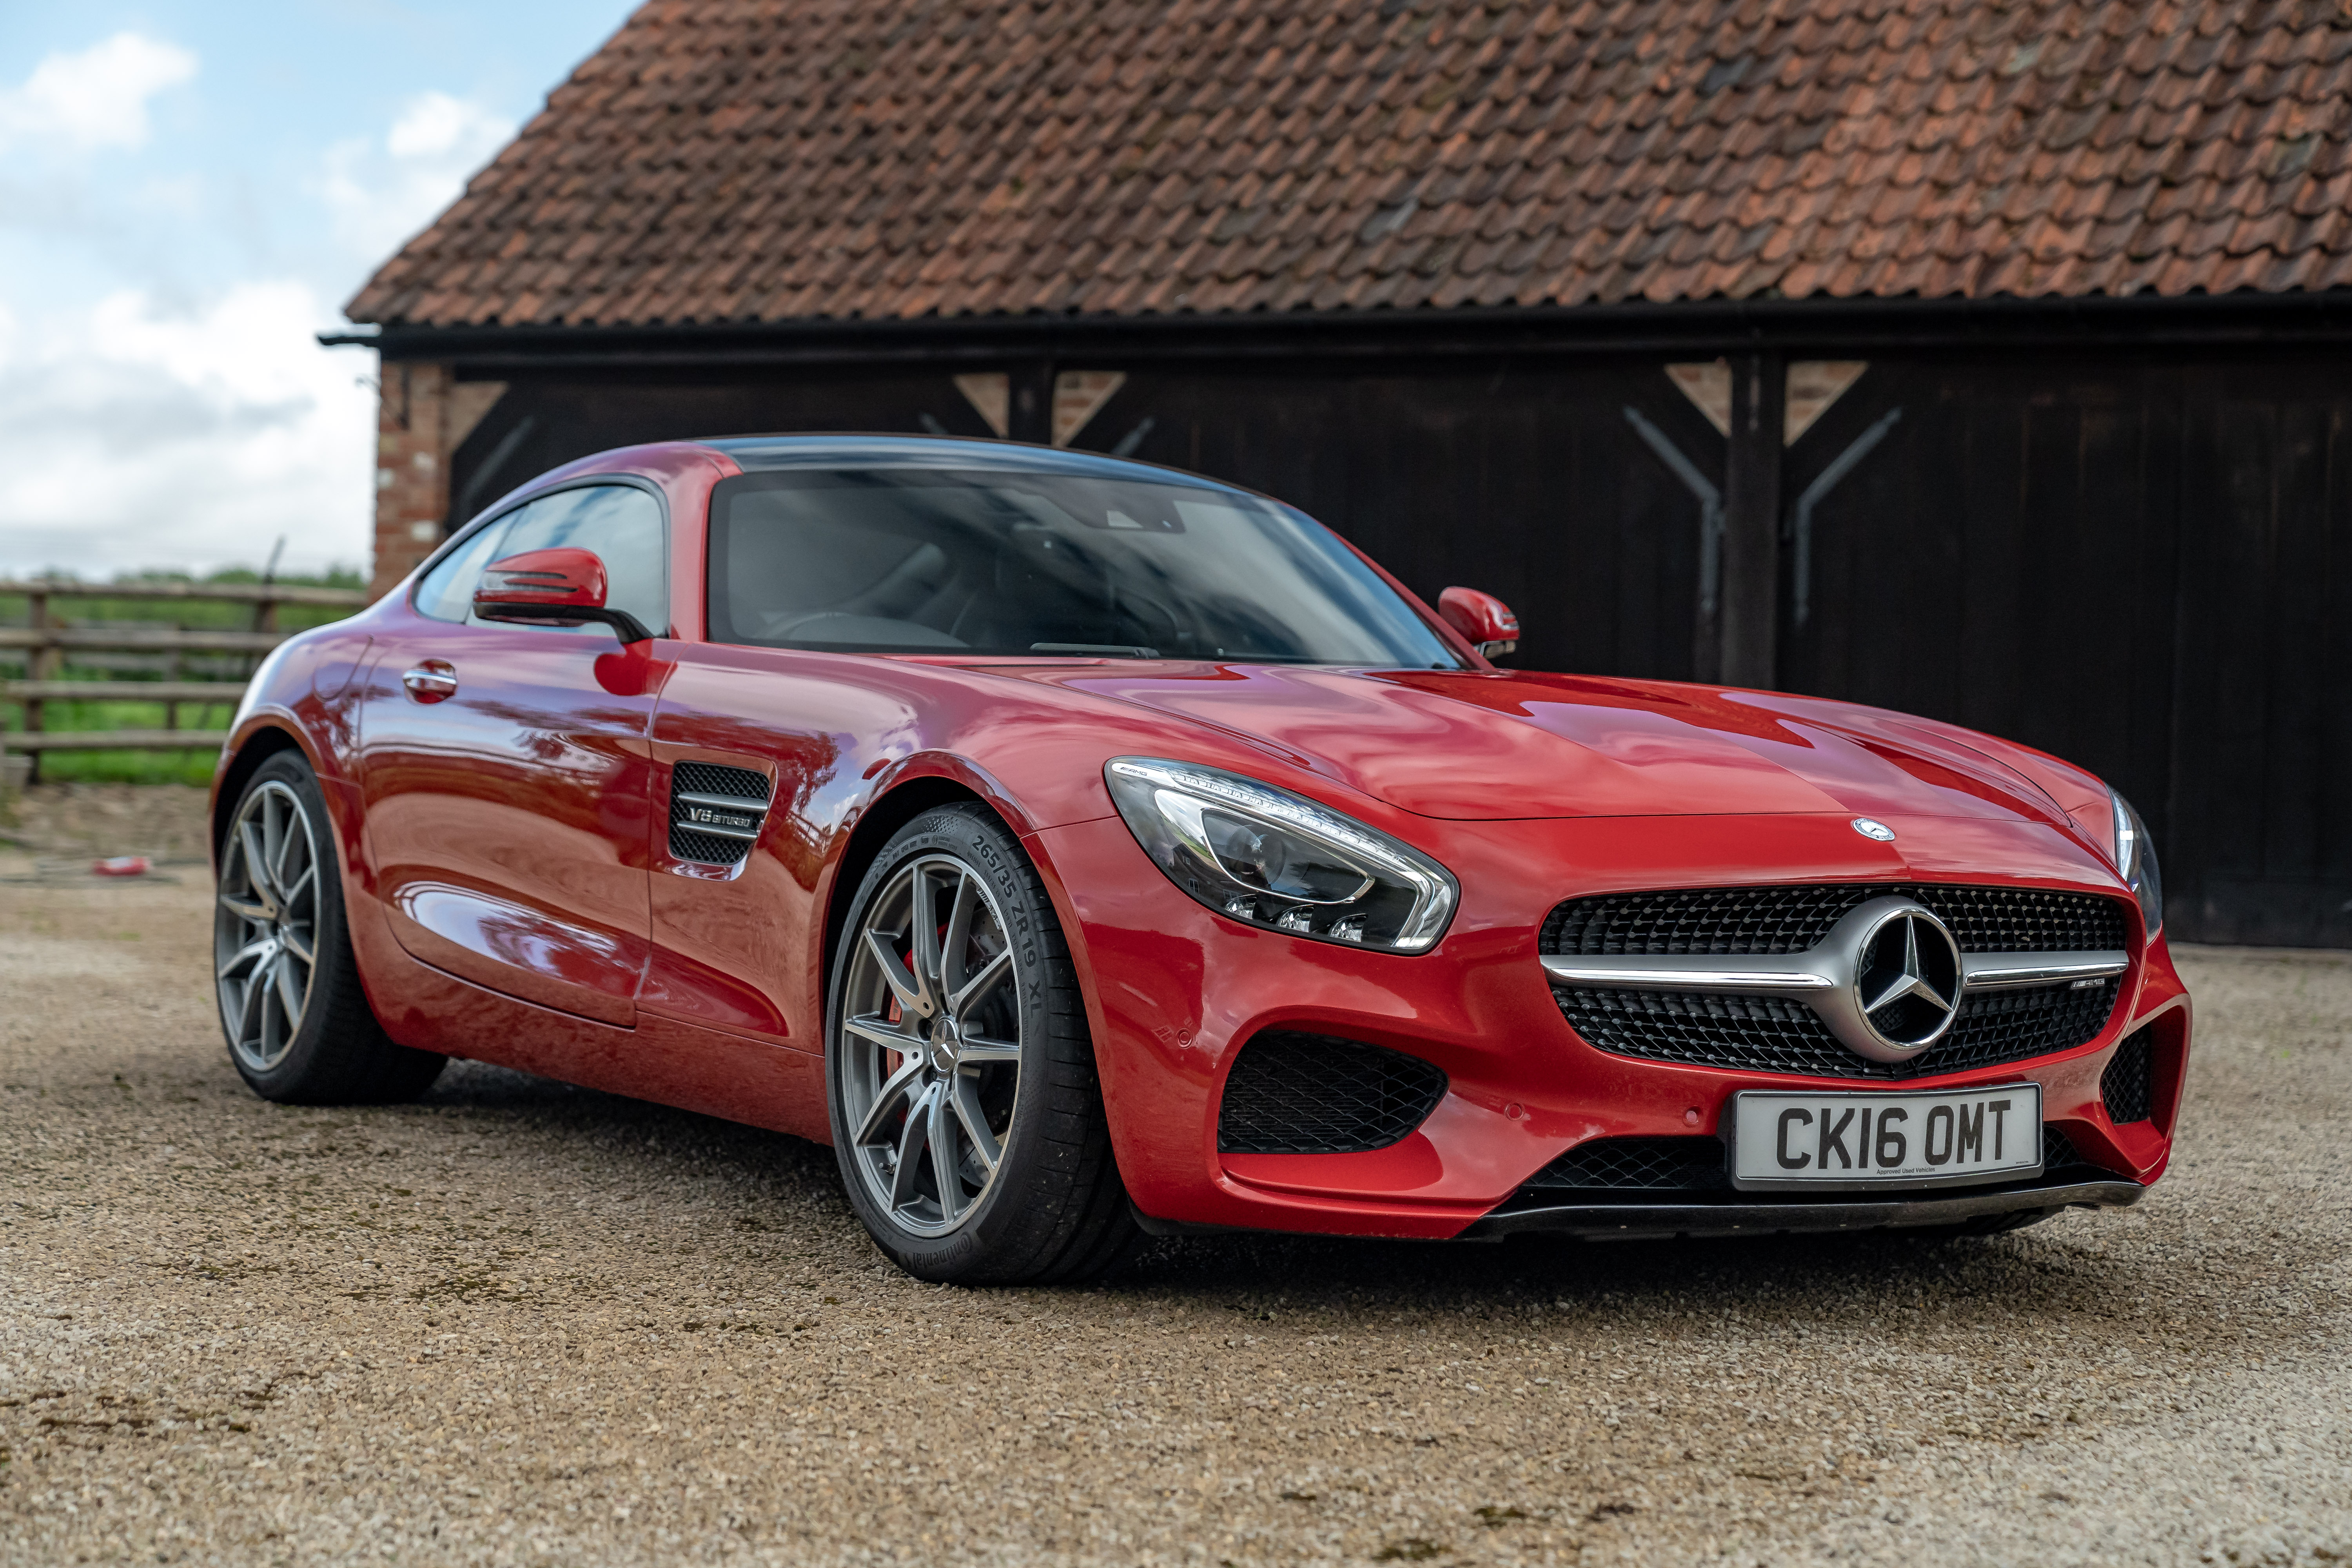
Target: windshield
933,561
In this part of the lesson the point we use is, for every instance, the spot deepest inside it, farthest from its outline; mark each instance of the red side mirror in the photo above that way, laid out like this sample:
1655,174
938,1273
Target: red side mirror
1484,621
562,587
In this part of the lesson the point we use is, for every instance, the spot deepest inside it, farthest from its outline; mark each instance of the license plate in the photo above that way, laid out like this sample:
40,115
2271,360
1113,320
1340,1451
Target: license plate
1784,1140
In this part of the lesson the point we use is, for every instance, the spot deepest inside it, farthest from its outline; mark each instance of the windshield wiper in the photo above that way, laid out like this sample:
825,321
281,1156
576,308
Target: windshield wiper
1113,649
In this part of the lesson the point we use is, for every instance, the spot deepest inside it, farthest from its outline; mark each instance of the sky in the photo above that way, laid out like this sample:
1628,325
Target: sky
189,191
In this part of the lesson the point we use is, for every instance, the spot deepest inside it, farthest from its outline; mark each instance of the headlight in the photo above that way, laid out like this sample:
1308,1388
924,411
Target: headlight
1267,857
2135,854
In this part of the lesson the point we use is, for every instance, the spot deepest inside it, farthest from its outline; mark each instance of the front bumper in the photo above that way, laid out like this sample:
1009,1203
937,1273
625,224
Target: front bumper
1174,991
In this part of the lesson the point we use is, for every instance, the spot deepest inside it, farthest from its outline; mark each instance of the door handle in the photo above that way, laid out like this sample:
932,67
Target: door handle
431,681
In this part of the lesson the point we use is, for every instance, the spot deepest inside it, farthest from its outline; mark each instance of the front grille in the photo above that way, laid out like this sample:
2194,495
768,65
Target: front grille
1643,1164
2128,1085
1311,1094
753,789
1772,1034
1790,919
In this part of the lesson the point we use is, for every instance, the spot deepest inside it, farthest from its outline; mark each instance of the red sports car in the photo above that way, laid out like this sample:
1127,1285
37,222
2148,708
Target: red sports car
1088,850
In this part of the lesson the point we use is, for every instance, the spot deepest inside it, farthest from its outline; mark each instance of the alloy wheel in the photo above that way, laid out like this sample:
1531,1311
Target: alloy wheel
929,1055
265,927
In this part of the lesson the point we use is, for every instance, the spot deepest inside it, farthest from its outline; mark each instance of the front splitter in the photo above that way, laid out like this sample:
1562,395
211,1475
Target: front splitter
1634,1221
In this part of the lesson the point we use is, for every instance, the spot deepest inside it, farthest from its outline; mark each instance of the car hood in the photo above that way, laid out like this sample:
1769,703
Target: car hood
1491,746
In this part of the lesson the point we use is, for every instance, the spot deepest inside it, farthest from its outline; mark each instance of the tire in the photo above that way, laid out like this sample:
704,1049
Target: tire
1003,1049
300,1033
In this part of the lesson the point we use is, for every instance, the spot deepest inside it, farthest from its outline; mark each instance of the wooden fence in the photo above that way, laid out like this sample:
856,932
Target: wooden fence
49,639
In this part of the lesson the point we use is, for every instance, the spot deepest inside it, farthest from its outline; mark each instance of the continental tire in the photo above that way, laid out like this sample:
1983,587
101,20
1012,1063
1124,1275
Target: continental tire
966,1111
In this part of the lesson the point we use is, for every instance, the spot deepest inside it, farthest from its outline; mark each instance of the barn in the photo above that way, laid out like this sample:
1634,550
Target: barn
1980,360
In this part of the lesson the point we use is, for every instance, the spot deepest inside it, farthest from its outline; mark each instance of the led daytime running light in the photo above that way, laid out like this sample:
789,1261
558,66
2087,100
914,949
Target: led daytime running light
1163,804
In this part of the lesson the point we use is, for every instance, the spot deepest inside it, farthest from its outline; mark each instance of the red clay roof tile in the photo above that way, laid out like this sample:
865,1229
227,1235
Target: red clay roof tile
735,159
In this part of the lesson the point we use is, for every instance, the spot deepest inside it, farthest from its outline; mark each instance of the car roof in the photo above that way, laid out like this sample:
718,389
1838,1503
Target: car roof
755,453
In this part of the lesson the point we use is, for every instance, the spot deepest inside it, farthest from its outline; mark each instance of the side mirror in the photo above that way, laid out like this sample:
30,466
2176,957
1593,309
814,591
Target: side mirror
1485,622
552,587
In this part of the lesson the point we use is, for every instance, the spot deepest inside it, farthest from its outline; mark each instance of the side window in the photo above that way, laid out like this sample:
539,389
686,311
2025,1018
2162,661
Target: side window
622,524
448,592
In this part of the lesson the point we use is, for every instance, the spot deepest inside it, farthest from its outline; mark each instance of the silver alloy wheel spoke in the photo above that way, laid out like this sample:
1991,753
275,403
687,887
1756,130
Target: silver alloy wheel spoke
969,1112
288,995
923,928
250,1020
881,1032
995,970
901,1081
951,945
944,1165
908,1171
257,874
928,1045
979,1049
245,909
265,925
251,953
905,986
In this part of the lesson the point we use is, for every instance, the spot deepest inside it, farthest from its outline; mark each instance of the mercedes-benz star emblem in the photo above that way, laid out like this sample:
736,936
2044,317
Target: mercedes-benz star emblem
1871,827
1909,991
1895,973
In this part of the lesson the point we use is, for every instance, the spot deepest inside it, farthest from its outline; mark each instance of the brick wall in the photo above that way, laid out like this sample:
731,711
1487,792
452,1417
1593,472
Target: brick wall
423,412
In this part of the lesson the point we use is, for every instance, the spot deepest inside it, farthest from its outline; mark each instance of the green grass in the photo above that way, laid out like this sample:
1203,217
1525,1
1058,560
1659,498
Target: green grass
122,767
124,711
128,767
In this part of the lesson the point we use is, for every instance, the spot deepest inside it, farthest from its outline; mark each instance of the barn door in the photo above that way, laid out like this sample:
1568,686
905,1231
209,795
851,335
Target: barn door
2260,814
2140,568
2000,553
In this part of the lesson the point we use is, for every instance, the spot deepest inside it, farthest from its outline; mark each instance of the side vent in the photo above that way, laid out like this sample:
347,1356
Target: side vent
715,812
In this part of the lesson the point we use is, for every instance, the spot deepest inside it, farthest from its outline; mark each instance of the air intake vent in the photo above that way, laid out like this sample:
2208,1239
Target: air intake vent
715,812
2128,1085
1312,1094
2059,1153
1639,1164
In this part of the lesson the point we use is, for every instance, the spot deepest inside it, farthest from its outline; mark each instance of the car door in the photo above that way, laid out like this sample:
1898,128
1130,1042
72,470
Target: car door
504,768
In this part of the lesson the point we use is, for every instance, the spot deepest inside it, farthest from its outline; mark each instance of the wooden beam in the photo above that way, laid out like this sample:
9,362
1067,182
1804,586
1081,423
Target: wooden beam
221,593
1030,415
1751,521
118,740
222,691
137,640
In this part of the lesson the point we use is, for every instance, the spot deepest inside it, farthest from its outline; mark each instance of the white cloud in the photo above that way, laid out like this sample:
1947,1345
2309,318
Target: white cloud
380,193
132,435
95,99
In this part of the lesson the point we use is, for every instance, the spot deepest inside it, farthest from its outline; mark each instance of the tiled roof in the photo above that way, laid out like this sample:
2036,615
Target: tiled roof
760,161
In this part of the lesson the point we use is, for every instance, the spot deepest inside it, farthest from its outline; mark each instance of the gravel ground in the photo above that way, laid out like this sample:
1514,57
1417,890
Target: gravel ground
520,1322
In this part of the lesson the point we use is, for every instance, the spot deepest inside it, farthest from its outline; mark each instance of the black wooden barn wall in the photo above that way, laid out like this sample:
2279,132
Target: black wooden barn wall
2138,565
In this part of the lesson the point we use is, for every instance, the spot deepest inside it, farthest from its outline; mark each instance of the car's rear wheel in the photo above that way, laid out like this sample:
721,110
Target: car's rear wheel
966,1111
299,1025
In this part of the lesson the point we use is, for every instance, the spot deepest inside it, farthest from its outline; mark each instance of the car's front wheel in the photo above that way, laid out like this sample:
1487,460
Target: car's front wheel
299,1025
966,1111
